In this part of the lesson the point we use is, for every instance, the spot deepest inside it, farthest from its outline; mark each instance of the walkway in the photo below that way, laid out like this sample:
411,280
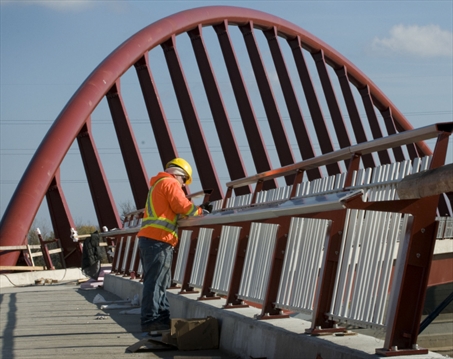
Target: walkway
61,321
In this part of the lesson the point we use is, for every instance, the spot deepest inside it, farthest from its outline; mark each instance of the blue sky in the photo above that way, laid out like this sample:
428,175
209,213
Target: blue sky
48,48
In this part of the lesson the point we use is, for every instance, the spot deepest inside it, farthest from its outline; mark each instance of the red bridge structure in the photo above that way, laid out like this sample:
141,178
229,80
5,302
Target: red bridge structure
345,233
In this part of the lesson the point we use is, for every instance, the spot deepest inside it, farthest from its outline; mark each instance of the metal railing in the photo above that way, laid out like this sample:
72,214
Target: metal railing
29,254
281,248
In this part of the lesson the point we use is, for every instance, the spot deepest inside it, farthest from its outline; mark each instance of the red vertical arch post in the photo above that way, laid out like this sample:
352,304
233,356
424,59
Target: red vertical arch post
281,141
252,131
372,120
103,202
159,123
319,124
135,169
235,165
202,157
356,122
62,222
332,103
295,113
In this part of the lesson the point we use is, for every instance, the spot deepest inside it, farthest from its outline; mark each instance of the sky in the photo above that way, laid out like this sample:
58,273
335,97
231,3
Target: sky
48,48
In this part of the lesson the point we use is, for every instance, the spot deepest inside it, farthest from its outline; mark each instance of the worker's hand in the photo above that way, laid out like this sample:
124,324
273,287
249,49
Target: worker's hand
207,206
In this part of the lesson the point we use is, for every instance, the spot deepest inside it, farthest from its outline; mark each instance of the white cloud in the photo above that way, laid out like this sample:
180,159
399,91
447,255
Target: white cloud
423,41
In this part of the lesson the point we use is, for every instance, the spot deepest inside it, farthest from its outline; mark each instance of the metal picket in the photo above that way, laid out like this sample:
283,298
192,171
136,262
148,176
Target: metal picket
183,255
257,263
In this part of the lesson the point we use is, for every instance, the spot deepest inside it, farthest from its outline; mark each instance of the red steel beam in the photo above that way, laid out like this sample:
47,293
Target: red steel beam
161,130
252,130
135,169
372,120
356,122
62,222
281,141
233,158
295,113
197,140
332,103
103,202
319,124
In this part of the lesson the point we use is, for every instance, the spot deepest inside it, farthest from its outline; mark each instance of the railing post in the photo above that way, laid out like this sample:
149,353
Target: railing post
269,311
410,283
185,287
258,188
232,301
206,293
354,163
297,180
326,282
227,197
45,251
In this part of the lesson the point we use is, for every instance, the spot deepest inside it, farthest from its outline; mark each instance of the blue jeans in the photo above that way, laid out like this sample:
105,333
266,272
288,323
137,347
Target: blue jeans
156,259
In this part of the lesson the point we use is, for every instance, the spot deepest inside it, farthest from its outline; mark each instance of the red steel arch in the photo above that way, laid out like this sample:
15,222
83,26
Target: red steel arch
41,178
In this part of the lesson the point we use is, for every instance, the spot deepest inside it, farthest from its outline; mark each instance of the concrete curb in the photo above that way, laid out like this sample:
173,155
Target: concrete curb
28,278
246,337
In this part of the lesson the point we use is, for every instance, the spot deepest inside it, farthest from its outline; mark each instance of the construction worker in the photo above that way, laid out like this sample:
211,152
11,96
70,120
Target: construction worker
158,235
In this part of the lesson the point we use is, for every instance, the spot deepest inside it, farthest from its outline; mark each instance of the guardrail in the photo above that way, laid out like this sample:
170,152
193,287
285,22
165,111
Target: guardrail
29,255
327,248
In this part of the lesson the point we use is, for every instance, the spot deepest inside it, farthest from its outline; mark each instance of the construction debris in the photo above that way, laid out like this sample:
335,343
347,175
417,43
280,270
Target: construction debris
44,281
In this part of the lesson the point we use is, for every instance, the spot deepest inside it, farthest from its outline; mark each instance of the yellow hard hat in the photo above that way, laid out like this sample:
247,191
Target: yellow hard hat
182,163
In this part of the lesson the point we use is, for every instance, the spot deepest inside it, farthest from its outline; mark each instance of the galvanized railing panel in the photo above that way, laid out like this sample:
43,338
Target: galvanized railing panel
183,255
239,201
276,194
307,239
445,227
201,257
217,205
255,274
370,241
229,237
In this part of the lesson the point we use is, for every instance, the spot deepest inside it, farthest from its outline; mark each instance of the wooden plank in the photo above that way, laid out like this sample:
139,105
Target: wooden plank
19,248
22,268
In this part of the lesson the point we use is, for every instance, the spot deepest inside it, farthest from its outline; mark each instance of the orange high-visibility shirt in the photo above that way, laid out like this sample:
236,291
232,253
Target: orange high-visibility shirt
165,204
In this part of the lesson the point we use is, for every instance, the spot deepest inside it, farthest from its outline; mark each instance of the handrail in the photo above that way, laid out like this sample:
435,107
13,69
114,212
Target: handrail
399,139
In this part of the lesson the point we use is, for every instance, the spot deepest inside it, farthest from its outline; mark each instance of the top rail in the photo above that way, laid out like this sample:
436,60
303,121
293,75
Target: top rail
399,139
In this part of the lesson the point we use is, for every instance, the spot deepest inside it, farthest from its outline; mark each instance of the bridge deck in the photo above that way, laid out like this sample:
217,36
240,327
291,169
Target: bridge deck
62,320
